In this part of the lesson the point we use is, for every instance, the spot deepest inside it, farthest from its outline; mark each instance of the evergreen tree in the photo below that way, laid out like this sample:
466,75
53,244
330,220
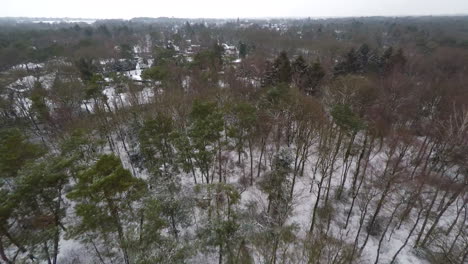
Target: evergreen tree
299,72
277,185
105,196
242,128
306,77
222,228
242,50
15,152
86,68
156,145
363,55
205,133
39,105
279,71
316,74
283,67
350,64
40,208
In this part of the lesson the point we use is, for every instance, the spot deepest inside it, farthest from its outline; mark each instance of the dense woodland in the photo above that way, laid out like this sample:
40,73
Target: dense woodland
234,141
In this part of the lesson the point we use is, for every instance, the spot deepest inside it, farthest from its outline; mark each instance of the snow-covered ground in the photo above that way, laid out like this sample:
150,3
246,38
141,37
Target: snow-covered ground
304,196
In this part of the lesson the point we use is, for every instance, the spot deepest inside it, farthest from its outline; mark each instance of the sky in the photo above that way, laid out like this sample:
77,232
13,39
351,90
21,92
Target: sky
228,8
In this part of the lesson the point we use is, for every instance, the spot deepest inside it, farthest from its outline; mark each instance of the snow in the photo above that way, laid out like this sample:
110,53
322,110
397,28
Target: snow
304,200
28,66
135,74
303,207
304,196
26,83
87,21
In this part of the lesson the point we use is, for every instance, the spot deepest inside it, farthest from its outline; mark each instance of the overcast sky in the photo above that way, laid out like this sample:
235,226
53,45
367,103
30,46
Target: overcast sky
228,8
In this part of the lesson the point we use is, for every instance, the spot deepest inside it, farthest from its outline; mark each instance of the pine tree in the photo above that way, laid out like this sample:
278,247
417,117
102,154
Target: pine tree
279,71
299,73
156,145
242,50
39,105
104,198
15,152
205,133
283,66
40,207
241,129
350,64
315,74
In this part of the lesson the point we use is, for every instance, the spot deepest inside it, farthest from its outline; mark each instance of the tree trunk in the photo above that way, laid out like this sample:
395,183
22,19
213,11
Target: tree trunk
251,162
115,215
361,224
345,166
428,212
311,229
461,230
3,256
451,200
449,230
356,192
262,150
407,238
385,232
338,145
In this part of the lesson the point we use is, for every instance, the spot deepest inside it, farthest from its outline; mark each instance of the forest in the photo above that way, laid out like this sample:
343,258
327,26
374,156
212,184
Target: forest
234,141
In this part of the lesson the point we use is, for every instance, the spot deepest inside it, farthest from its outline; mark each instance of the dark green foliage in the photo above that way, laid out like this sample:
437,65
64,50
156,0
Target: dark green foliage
223,229
38,99
364,60
156,73
81,145
32,208
277,184
392,60
345,118
86,68
94,87
350,64
283,67
156,138
278,72
15,152
188,29
205,132
277,96
105,180
306,77
126,51
104,197
242,50
102,29
209,59
151,246
244,118
299,65
207,122
40,206
163,56
185,151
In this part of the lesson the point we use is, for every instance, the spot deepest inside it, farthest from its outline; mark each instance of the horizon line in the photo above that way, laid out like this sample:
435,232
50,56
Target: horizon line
240,17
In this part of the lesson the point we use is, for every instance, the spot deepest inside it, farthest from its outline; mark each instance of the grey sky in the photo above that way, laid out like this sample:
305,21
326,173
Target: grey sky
228,8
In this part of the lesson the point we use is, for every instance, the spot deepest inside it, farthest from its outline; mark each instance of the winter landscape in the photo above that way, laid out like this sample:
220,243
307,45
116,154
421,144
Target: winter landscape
334,140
